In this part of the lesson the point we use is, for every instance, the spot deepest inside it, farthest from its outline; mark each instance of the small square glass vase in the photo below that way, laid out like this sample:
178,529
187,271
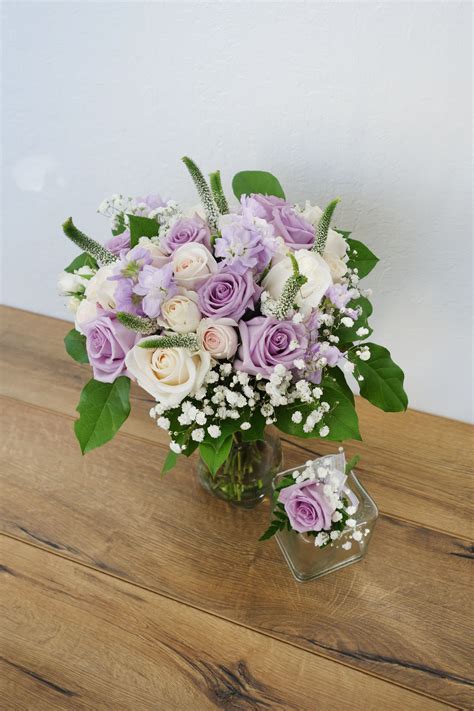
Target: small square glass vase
308,562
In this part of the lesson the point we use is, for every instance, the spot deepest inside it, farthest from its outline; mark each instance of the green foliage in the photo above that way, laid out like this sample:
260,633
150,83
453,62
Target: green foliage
176,340
383,379
75,344
351,464
215,454
120,225
248,182
336,379
83,260
169,462
348,335
364,261
342,418
103,408
93,248
323,227
204,192
142,227
138,323
218,192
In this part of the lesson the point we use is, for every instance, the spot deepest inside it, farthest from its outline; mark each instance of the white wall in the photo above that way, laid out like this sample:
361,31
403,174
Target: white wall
369,101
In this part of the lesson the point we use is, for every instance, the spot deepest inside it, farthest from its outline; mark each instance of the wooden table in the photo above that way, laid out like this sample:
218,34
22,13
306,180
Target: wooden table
125,590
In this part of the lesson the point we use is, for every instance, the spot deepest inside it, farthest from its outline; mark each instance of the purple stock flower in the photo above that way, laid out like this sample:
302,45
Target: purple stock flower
267,342
188,229
245,245
155,285
228,294
297,232
307,507
118,243
150,202
339,295
107,344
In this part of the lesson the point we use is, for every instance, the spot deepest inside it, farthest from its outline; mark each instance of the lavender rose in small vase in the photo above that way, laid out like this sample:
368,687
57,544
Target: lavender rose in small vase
322,516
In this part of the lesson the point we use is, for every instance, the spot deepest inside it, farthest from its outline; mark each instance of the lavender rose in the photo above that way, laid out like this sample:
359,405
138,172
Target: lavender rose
267,342
226,294
297,232
118,243
188,229
307,507
107,344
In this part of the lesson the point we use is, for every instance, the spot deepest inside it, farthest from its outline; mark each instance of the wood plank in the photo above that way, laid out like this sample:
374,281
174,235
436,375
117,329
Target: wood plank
407,459
73,638
402,614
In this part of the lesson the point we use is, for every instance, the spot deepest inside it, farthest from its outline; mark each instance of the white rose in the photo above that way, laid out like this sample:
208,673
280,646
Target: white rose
336,266
218,337
86,311
192,264
313,266
168,374
100,289
336,246
181,313
71,284
157,254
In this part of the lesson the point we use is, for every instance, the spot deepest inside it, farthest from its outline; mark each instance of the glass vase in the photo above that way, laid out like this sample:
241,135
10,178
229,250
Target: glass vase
308,562
247,474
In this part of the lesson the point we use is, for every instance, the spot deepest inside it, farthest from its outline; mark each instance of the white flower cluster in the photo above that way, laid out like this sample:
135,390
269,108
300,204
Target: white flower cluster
118,207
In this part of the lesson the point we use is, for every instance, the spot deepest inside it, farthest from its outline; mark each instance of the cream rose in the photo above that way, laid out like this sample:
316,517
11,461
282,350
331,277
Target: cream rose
158,256
313,266
218,337
192,264
100,289
336,246
168,374
181,313
86,311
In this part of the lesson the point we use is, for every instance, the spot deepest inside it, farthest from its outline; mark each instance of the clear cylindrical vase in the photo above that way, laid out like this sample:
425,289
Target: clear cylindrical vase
247,474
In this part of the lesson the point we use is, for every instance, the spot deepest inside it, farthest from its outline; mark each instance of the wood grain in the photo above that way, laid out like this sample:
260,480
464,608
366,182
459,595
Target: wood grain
73,638
406,458
402,614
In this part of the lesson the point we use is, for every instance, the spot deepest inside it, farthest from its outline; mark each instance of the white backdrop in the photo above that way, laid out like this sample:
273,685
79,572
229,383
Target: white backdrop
368,101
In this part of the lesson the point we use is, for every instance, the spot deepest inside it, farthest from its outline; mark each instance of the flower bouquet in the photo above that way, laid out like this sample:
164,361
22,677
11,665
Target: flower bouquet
233,318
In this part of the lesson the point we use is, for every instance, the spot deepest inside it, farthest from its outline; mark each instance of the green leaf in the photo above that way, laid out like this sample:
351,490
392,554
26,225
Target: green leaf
383,379
336,379
213,457
271,530
142,227
83,260
256,432
349,334
342,419
352,463
120,225
169,462
256,181
364,261
75,344
103,408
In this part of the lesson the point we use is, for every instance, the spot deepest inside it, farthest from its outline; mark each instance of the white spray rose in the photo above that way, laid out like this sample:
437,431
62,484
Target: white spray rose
218,337
168,374
181,313
100,289
192,264
158,256
86,311
73,283
336,246
314,268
